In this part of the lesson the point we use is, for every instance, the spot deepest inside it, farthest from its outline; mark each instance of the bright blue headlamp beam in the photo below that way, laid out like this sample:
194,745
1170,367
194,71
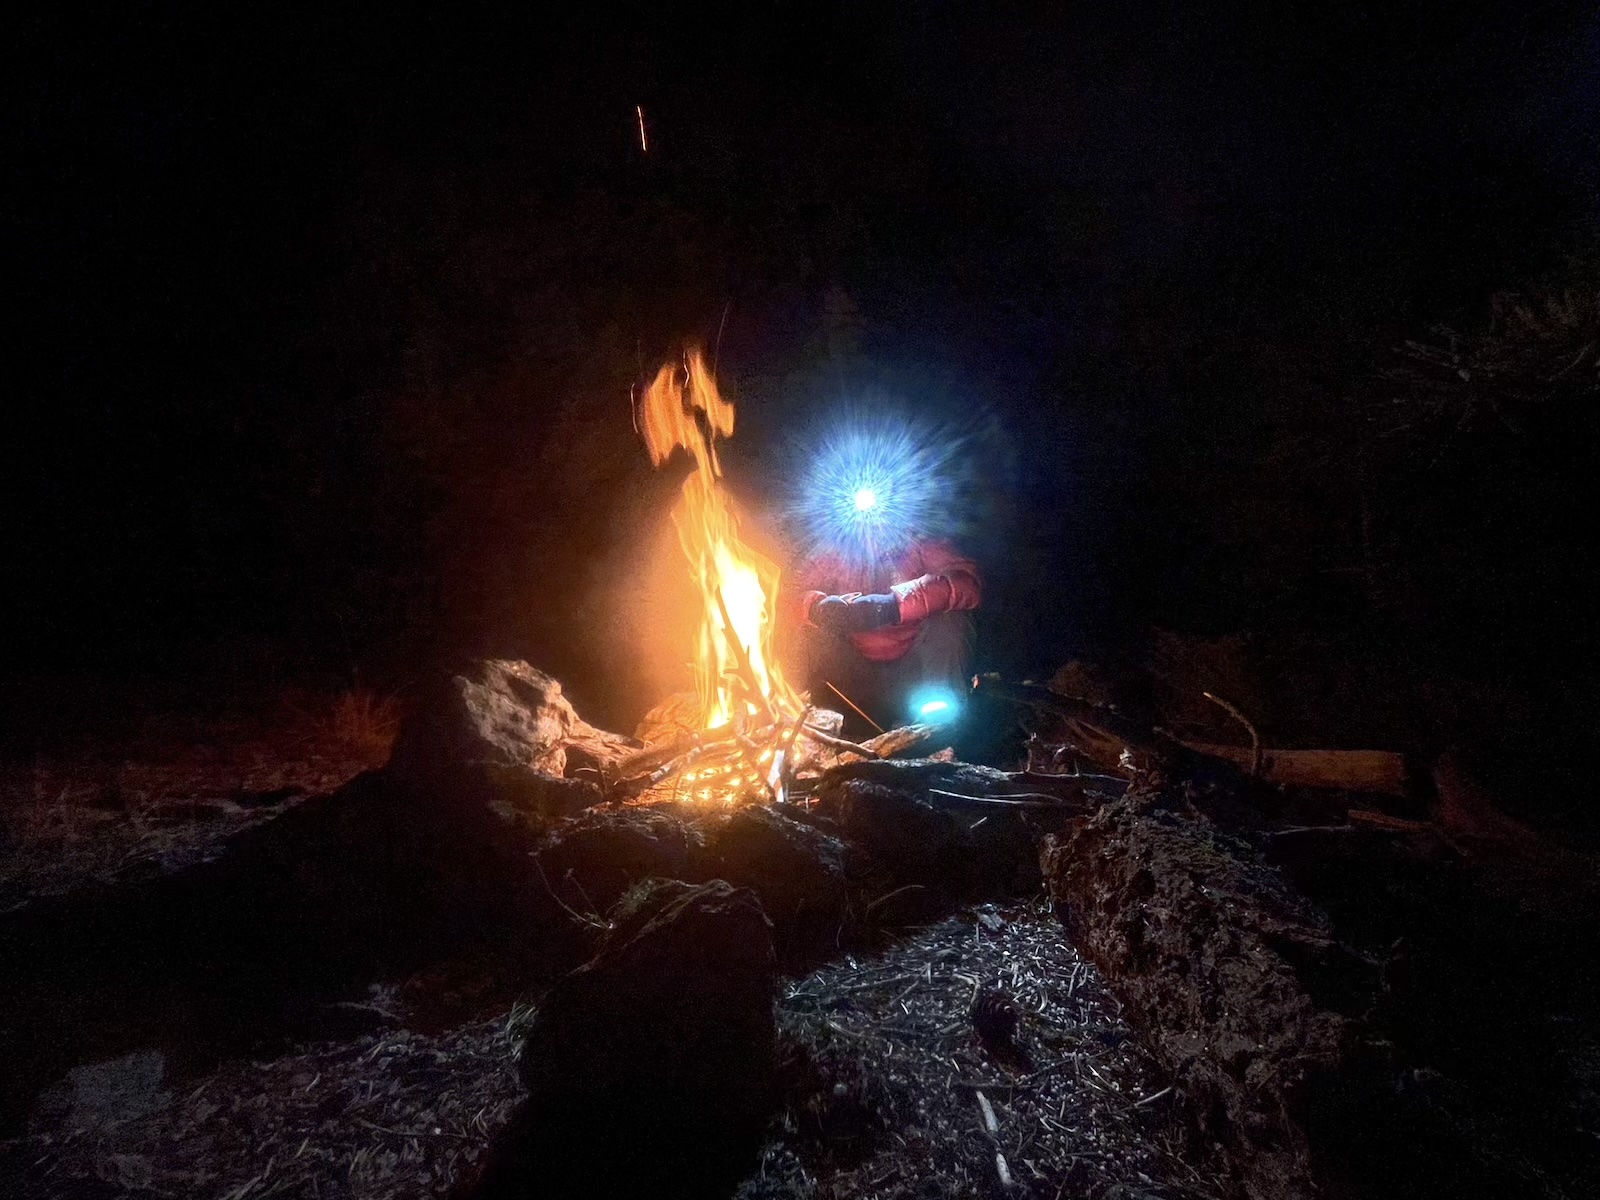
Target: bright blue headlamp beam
872,486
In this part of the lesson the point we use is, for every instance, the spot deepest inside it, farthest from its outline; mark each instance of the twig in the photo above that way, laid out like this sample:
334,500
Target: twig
417,1133
839,743
1016,800
593,921
859,711
1366,816
1255,738
887,896
1294,830
1003,1171
991,1123
1083,778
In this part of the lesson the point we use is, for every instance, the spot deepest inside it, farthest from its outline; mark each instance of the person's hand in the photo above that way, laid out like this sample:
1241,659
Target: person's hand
855,614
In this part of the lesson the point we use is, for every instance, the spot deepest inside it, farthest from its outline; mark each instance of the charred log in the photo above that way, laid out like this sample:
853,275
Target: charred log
951,827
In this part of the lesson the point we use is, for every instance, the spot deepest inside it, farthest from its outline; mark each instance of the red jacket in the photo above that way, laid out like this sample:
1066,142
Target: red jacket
927,577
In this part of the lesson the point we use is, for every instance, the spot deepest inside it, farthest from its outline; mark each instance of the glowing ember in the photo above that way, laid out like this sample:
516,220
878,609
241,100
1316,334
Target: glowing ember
736,679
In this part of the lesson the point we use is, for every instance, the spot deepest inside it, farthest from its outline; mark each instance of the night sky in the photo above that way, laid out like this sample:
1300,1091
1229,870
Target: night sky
310,308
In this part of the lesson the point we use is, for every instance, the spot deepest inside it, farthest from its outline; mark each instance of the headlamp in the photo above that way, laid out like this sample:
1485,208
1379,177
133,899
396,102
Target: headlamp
870,488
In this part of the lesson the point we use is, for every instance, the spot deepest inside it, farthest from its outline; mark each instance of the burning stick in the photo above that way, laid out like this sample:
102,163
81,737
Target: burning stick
782,766
741,657
640,772
651,757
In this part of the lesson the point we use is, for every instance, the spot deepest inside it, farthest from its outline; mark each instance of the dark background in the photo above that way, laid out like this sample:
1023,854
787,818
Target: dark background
324,329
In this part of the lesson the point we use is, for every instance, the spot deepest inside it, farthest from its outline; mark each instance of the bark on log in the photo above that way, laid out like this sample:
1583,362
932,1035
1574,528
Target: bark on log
1213,956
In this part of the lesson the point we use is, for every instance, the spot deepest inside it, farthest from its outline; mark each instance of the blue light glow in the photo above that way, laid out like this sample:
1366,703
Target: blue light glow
934,705
872,486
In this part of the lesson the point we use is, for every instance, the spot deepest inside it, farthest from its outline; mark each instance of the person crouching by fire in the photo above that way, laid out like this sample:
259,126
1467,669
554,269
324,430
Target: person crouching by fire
890,635
877,606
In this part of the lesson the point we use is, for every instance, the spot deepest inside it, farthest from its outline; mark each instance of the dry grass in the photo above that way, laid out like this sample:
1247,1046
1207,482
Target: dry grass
389,1115
92,807
365,722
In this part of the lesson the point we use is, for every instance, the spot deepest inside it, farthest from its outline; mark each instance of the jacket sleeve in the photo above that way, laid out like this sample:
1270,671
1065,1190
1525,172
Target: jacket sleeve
798,592
950,583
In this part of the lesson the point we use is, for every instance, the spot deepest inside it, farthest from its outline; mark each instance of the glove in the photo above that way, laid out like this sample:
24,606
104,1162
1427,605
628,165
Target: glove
854,614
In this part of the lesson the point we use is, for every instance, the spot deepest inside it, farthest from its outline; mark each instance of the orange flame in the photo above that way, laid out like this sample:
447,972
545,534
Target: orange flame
738,586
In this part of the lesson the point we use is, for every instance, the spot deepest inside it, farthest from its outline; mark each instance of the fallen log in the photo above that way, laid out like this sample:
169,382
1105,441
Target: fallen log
952,827
1105,736
1219,963
1380,772
653,1067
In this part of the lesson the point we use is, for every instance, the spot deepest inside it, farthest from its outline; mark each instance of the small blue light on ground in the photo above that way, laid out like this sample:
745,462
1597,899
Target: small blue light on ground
934,707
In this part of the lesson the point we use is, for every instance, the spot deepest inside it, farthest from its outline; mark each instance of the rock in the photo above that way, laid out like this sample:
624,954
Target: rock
504,733
480,772
591,860
678,999
798,872
665,723
651,1069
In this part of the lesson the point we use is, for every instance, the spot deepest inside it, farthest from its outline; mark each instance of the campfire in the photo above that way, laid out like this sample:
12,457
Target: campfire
747,735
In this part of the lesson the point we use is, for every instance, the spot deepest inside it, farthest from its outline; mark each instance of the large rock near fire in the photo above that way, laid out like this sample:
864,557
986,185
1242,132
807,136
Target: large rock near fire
487,761
651,1069
798,871
503,733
